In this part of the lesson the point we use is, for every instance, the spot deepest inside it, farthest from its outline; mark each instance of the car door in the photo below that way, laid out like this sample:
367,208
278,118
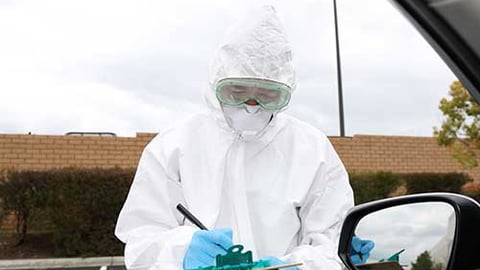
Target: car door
451,28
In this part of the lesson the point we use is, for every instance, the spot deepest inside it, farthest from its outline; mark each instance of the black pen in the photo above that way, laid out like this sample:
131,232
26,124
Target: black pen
190,217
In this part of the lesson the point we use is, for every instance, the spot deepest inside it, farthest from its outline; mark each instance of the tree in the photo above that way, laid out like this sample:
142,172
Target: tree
460,129
424,262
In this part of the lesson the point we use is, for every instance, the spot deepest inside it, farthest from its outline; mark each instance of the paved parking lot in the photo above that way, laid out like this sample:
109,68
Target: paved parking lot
95,263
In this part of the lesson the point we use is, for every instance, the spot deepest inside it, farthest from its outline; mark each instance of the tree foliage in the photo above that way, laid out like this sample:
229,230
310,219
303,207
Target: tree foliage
424,262
22,193
460,128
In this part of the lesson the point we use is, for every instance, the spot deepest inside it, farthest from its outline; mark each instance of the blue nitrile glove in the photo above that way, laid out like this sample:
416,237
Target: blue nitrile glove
360,250
205,246
273,261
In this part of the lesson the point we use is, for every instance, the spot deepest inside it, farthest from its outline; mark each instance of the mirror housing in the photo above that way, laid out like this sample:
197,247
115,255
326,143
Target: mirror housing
464,254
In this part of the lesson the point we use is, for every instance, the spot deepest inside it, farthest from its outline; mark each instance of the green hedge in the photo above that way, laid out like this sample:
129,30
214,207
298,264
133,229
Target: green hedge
373,186
379,185
23,193
431,182
84,205
80,206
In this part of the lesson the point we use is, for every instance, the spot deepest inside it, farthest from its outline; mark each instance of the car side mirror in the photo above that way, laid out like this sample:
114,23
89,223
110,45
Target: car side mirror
436,230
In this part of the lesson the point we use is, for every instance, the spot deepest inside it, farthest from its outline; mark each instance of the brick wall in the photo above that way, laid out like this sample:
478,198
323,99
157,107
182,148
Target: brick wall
400,154
41,152
359,153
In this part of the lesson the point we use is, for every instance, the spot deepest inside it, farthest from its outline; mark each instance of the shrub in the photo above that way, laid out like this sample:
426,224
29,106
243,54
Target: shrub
374,185
380,185
83,206
435,182
23,193
80,206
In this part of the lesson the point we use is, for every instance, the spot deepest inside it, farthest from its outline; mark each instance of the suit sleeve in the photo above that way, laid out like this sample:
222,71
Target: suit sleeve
148,223
322,214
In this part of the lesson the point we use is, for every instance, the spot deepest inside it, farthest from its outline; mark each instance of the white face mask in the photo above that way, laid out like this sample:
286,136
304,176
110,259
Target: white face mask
246,117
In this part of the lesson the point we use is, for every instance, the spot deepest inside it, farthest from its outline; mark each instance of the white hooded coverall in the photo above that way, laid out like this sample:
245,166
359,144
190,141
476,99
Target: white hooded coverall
284,191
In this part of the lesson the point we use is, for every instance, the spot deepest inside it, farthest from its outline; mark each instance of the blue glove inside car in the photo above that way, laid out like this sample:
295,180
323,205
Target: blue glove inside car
360,250
205,246
276,261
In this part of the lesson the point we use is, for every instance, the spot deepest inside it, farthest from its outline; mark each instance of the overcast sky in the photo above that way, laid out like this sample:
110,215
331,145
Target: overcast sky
136,66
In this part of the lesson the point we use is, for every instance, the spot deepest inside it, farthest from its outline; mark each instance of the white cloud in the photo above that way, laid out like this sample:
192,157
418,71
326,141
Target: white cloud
48,106
155,54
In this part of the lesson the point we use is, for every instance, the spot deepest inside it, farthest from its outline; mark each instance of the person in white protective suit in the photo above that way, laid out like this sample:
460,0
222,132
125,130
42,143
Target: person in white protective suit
275,181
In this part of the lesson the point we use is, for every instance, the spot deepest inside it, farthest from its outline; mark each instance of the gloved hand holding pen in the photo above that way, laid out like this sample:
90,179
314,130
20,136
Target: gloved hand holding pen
205,246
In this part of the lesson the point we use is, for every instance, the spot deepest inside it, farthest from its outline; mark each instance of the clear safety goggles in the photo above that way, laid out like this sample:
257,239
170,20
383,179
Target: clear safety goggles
270,95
